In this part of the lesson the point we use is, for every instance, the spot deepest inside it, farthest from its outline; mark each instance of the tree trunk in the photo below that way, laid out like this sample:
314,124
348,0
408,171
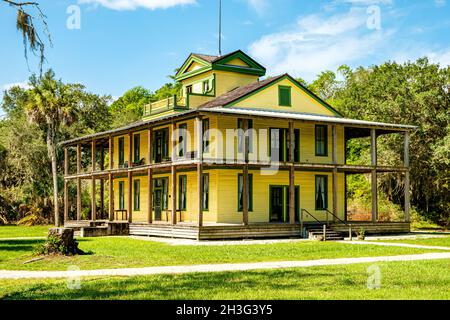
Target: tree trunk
51,145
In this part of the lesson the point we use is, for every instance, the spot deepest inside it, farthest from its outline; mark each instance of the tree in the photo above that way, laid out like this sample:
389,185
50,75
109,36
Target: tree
50,104
30,34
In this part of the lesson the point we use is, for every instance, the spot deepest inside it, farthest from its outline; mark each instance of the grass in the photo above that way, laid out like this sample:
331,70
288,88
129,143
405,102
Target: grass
440,242
399,280
120,252
13,231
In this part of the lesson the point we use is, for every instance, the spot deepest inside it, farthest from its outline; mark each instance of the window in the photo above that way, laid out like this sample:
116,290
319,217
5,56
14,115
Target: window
121,151
284,96
161,145
121,195
182,143
182,187
137,147
279,144
189,89
321,140
161,184
321,192
206,86
137,195
205,192
241,135
240,192
205,130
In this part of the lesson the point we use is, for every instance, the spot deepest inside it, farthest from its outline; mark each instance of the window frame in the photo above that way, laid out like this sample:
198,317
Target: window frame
325,140
121,147
137,147
205,177
287,89
182,190
121,195
250,192
325,192
206,138
182,134
137,195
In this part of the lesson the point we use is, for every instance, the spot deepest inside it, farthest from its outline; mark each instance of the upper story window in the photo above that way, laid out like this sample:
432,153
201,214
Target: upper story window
205,130
137,148
161,145
279,144
321,137
284,96
206,86
189,89
241,134
182,143
121,151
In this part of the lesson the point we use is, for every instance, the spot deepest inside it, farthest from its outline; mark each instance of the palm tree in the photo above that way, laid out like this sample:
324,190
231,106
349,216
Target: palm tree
50,104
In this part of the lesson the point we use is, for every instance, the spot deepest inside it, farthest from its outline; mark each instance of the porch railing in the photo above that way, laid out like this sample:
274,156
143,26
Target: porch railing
349,225
164,105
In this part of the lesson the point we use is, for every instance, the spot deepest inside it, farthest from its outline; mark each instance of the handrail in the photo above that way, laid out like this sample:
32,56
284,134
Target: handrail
301,222
349,225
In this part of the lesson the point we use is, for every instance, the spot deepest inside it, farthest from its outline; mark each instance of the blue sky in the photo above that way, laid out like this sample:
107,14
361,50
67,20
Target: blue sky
124,43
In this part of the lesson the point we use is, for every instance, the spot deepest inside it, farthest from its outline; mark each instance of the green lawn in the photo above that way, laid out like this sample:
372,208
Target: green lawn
119,252
21,231
441,242
399,280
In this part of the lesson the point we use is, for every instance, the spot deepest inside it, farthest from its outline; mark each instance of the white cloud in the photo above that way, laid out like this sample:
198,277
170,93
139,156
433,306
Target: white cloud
317,43
440,3
23,85
442,57
135,4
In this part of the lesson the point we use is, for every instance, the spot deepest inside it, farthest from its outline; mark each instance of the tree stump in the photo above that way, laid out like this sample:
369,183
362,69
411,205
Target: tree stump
61,240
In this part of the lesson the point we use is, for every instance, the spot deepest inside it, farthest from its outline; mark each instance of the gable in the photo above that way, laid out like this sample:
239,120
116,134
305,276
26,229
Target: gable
273,97
238,62
191,67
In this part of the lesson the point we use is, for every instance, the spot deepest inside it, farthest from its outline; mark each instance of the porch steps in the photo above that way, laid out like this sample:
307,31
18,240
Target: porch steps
315,232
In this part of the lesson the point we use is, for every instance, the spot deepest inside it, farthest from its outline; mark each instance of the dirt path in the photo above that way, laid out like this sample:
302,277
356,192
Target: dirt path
216,267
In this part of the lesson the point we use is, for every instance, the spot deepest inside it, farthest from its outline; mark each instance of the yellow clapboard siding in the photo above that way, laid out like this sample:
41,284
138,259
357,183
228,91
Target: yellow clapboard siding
267,99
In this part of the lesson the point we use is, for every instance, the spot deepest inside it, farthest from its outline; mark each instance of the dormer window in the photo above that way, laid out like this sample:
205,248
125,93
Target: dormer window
206,86
189,89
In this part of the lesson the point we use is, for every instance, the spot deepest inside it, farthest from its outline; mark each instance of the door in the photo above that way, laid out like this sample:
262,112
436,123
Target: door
158,151
276,208
158,201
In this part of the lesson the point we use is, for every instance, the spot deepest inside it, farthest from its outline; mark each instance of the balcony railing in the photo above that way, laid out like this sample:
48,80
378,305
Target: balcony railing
171,103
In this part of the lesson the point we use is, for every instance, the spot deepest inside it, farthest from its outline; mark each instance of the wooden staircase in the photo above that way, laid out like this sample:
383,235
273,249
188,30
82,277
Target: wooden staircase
316,232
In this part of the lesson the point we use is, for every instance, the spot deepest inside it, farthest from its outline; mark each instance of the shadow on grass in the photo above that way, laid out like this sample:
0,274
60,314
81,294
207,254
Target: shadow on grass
19,245
189,286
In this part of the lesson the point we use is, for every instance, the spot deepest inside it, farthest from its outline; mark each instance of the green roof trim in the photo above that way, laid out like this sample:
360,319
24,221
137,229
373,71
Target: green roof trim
220,64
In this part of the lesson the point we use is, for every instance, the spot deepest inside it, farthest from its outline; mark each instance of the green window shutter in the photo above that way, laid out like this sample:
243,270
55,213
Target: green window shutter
284,96
121,151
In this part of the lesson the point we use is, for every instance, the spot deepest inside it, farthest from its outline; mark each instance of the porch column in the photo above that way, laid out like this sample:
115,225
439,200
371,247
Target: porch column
150,176
110,179
93,202
199,147
78,182
407,179
174,176
102,182
373,151
66,192
130,178
335,162
93,192
245,186
291,174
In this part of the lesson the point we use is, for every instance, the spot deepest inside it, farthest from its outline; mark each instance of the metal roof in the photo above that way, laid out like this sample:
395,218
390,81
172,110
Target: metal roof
306,117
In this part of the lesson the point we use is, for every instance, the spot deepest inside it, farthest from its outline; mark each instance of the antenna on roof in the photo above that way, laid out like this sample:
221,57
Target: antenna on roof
220,27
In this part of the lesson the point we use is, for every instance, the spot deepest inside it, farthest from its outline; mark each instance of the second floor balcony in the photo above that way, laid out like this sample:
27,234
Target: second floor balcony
173,103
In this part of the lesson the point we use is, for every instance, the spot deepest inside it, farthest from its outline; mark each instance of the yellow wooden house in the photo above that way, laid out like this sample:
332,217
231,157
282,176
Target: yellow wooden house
232,156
